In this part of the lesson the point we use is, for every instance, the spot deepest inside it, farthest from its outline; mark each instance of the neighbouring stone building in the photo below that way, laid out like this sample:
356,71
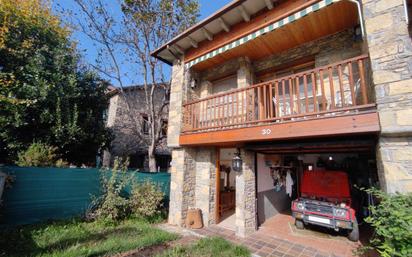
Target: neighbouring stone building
287,81
126,117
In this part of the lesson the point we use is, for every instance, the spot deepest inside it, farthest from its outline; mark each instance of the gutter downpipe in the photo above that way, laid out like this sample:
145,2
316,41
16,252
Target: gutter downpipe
360,16
405,8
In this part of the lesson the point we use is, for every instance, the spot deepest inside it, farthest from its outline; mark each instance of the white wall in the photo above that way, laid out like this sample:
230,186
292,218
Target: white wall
265,181
226,156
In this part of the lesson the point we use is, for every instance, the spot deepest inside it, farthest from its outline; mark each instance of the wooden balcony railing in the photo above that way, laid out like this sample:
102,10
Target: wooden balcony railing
335,89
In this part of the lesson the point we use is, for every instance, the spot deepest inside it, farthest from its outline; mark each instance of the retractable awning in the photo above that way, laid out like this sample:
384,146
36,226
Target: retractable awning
213,41
269,28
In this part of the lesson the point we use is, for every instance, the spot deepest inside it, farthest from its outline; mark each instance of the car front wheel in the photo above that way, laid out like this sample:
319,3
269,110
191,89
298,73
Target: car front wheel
354,233
299,224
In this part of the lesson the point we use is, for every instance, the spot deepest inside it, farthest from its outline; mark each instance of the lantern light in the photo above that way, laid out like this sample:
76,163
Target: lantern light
237,161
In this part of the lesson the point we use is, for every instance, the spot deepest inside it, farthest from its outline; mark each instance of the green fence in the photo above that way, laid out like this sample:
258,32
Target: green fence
40,194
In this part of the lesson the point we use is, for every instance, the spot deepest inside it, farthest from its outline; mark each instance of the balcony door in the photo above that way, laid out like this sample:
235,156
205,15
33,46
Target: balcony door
288,94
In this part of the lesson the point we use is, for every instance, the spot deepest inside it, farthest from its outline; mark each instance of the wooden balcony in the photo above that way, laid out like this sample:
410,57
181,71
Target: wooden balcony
328,100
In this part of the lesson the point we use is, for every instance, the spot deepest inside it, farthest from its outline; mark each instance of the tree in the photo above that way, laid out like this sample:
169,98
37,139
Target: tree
45,95
142,27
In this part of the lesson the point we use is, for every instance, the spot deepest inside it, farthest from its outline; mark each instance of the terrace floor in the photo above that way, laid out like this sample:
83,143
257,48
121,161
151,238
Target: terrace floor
278,237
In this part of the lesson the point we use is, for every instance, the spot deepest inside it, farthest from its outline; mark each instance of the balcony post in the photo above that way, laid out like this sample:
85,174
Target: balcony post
246,196
244,80
177,89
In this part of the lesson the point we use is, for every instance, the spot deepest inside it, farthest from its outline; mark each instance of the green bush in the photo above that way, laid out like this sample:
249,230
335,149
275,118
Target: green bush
392,221
112,204
38,155
146,199
115,203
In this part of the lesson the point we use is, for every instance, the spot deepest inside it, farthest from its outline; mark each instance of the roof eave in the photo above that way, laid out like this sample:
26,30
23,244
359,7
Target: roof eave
195,27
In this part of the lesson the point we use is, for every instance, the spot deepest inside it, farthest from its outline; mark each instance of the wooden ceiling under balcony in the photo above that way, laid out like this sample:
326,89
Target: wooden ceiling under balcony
327,21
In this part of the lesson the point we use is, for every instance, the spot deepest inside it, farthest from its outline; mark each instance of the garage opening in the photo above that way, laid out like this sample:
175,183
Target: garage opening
320,180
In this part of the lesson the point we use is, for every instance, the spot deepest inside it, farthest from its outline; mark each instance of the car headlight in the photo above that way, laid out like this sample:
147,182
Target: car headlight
300,206
340,213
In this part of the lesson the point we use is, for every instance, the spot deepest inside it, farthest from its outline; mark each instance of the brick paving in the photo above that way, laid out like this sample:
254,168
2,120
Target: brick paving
262,245
273,240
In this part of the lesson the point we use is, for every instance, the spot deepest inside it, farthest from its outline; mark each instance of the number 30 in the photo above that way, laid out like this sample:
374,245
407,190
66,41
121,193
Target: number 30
266,131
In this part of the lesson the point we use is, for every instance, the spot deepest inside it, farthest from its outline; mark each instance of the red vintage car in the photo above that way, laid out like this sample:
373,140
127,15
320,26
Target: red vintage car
326,201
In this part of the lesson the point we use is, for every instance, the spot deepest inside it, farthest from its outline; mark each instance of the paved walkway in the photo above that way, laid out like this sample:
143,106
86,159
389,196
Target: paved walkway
263,245
259,243
324,240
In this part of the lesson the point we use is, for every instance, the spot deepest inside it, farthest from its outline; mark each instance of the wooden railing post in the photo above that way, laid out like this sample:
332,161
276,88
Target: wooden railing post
351,84
363,82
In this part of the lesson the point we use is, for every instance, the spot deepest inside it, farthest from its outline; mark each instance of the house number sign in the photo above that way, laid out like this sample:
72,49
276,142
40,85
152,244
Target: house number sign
266,132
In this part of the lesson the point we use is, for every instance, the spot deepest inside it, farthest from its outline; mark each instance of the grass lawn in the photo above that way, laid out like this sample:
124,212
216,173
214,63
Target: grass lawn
79,238
208,247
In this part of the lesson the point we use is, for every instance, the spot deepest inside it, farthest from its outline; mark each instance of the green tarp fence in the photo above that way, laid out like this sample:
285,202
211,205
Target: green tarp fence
41,194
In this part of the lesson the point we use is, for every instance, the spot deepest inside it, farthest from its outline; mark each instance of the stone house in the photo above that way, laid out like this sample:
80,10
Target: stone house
130,129
301,81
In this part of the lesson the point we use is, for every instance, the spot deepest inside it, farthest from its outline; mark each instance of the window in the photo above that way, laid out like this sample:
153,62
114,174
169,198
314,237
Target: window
164,127
137,161
287,69
145,125
163,162
224,84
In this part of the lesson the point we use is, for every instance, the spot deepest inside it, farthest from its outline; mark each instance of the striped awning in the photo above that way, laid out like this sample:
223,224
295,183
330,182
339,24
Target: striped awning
271,27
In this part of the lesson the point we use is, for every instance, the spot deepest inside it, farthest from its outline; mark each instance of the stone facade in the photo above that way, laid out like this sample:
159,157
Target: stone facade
246,196
205,189
177,94
390,49
182,184
126,125
327,50
388,43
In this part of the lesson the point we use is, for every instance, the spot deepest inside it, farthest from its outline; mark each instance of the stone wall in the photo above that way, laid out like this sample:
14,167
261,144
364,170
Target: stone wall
178,88
111,119
246,196
126,124
206,184
182,184
390,49
326,50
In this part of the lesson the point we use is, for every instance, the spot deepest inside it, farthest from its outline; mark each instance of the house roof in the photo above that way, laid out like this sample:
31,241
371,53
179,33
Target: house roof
231,14
112,90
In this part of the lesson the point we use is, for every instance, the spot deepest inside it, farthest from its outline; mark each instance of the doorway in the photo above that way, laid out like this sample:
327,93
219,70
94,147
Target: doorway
226,189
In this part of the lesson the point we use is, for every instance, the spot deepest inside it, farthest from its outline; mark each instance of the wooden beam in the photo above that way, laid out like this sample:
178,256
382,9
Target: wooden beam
224,25
335,125
242,29
193,42
171,52
178,49
207,34
269,4
244,13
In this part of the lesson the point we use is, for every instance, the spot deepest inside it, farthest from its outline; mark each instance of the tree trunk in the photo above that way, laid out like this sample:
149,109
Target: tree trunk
152,159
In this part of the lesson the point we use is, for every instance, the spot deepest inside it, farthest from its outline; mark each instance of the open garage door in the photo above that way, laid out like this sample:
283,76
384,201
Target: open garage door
280,173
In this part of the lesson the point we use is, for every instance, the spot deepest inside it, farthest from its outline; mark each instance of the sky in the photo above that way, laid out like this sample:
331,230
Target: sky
88,49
